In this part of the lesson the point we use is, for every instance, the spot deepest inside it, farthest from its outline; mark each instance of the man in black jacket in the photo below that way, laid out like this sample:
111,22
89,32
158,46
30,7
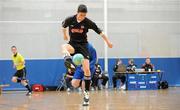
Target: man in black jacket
119,69
98,74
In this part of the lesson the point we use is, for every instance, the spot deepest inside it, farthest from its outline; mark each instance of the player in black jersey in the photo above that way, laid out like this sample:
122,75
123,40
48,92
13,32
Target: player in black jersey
78,26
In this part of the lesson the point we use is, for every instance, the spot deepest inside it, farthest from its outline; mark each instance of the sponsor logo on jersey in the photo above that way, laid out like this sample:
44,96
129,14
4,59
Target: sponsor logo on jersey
77,30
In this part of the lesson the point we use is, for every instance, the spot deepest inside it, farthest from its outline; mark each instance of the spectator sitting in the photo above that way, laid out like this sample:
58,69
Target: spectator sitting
99,75
148,66
119,69
68,78
131,66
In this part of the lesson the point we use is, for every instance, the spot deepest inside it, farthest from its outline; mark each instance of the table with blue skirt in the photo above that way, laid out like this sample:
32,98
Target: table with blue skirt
146,80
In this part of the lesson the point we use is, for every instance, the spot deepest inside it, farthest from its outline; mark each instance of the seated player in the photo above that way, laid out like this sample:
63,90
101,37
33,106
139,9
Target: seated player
119,69
98,74
69,76
19,65
131,66
148,66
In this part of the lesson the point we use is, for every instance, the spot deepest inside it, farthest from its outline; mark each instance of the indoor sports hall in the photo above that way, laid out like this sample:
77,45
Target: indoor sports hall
89,54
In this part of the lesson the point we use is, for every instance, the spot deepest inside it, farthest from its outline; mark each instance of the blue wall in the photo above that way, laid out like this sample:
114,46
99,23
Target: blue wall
48,72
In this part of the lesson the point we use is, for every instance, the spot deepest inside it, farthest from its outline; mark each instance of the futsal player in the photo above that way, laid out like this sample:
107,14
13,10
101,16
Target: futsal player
19,65
78,26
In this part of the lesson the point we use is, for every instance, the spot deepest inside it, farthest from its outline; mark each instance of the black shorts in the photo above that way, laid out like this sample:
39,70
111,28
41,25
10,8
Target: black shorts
21,74
80,48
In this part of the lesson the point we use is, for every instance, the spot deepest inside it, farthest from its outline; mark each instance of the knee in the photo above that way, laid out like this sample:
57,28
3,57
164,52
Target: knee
23,82
67,47
63,47
75,84
14,80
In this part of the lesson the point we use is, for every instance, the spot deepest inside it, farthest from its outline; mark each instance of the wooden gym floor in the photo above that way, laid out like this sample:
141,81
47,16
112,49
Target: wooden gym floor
100,100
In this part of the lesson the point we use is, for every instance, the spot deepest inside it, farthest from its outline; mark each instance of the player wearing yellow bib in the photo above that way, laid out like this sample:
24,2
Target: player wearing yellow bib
19,65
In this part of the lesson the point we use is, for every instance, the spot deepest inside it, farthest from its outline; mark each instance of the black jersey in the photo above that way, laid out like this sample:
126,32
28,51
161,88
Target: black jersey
148,66
78,30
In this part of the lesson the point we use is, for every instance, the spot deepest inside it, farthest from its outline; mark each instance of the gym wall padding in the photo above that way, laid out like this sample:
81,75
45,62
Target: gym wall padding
49,71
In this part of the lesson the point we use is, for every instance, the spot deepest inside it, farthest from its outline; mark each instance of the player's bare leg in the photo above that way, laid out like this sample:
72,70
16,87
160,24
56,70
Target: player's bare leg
87,81
24,83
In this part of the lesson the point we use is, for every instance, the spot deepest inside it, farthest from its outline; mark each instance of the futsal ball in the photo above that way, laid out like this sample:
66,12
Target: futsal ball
78,58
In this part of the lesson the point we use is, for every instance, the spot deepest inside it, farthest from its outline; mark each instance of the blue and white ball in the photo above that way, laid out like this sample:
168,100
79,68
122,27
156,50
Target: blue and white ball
78,59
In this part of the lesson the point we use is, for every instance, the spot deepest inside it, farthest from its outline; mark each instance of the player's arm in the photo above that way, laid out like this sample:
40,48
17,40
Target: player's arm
93,26
105,38
22,63
65,24
64,30
14,65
